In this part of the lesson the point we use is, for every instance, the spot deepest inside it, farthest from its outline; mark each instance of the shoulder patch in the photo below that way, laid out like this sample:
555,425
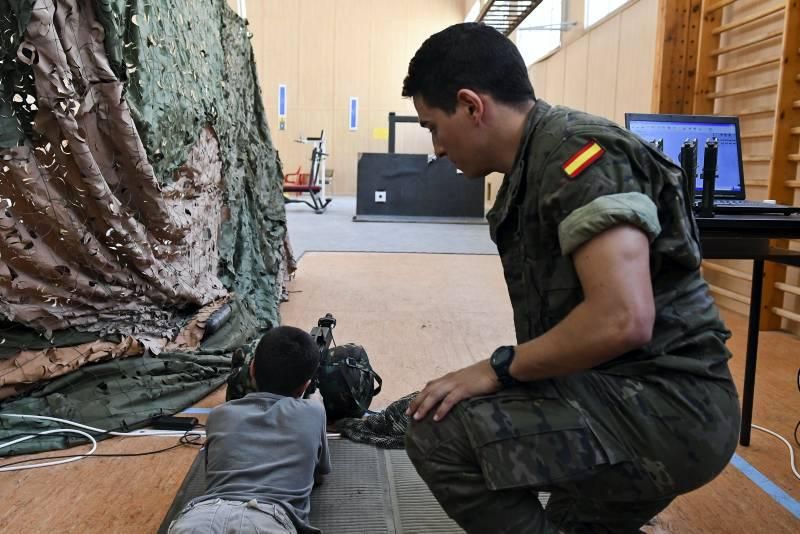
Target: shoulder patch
583,159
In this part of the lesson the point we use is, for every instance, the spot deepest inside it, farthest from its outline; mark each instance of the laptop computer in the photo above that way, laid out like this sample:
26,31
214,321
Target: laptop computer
729,191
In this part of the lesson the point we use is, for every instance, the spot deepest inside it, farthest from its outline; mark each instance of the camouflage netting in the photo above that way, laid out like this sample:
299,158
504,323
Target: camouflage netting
138,184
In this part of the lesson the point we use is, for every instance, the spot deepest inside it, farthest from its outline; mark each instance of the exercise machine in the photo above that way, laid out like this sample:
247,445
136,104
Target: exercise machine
316,177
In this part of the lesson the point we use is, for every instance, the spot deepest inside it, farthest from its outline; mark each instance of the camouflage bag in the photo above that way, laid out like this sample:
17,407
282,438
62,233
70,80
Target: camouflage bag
346,381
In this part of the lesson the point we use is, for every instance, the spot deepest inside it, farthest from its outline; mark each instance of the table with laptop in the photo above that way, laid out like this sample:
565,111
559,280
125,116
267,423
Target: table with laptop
709,149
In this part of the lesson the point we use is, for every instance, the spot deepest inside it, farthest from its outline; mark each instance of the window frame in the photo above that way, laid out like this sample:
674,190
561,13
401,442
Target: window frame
624,5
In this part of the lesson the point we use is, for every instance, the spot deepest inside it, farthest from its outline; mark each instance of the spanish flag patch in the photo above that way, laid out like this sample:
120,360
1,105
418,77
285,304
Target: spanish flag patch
583,159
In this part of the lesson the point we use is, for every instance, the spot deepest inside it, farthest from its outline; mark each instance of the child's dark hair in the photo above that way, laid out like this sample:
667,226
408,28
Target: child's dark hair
473,56
285,358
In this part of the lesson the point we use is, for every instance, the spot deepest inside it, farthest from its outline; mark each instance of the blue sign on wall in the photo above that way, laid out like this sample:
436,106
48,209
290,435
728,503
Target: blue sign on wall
281,100
353,113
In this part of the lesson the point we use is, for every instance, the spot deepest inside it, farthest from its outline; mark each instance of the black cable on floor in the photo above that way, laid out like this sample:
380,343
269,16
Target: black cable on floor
188,439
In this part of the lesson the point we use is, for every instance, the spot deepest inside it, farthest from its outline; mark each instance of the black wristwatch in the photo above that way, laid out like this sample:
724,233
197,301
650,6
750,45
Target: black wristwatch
501,363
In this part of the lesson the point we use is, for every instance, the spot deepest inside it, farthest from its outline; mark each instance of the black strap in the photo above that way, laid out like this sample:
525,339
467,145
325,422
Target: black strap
377,378
374,378
367,368
364,368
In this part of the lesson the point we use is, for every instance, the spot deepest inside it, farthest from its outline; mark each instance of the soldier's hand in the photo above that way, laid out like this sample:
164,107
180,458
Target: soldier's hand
447,391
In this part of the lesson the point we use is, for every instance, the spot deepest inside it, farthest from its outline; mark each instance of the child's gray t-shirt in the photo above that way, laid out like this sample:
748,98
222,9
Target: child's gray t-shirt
266,447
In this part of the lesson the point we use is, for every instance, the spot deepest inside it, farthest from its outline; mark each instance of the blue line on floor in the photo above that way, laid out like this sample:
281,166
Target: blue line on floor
780,496
196,410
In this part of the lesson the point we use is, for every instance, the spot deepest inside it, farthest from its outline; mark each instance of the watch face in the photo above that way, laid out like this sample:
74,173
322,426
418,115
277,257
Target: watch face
501,363
501,357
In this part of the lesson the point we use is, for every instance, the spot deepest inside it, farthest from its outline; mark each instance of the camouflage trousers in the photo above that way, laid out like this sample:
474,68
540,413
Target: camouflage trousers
613,451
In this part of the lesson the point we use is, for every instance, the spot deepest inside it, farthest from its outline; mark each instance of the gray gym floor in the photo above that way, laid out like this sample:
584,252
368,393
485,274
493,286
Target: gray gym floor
335,231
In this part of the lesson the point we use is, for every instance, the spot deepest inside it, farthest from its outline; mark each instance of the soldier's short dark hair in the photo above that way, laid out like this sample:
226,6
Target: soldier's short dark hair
468,56
284,359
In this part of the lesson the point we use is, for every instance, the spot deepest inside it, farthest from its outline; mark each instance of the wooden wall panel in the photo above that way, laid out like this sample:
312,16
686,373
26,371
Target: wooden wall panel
278,62
676,55
575,73
351,74
574,11
426,18
378,119
636,61
607,69
315,55
351,53
755,150
388,55
554,83
328,51
753,46
348,144
601,66
537,72
785,166
412,139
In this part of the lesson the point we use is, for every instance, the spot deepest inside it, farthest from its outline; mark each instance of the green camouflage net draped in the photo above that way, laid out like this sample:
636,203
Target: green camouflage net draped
138,183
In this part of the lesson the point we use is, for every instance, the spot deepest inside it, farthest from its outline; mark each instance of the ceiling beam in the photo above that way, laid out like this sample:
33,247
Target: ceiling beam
506,15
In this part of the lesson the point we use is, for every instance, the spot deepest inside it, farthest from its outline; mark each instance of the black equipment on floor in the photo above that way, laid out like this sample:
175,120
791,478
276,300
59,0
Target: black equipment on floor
416,188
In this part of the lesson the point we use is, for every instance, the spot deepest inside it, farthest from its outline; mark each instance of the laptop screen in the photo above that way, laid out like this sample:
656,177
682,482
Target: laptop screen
673,130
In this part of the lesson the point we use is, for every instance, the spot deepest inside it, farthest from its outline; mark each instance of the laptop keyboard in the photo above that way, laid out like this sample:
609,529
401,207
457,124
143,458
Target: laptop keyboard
736,206
742,203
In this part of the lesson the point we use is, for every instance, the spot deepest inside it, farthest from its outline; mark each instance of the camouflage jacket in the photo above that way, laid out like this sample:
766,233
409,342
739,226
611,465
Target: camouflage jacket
576,175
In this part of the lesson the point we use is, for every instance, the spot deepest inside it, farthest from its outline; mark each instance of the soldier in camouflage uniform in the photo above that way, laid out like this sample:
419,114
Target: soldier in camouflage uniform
617,397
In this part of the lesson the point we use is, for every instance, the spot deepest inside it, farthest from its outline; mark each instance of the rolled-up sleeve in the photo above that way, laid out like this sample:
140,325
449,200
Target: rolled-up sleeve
605,212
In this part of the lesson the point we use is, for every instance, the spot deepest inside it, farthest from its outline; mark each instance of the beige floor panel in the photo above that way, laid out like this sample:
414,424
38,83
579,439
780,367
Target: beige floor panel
419,316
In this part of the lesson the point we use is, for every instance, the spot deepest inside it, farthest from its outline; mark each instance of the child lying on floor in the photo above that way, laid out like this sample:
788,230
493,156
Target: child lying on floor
264,451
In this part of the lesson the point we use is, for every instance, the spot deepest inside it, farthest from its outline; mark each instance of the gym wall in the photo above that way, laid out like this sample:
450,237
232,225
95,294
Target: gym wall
606,69
328,51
